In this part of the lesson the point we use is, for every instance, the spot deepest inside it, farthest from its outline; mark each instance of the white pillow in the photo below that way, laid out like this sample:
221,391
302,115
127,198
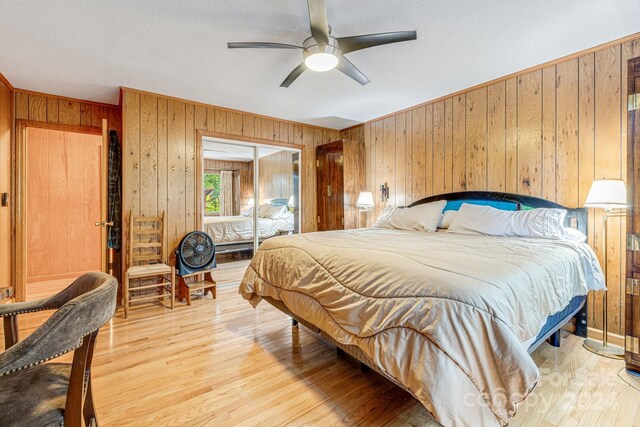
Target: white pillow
574,235
273,212
447,218
423,217
543,223
385,218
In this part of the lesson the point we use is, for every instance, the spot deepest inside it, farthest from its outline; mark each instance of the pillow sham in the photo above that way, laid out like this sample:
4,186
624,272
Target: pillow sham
541,223
272,212
447,218
384,221
574,235
423,217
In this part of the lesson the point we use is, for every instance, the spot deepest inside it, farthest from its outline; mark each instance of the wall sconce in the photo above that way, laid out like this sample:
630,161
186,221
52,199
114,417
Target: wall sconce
384,192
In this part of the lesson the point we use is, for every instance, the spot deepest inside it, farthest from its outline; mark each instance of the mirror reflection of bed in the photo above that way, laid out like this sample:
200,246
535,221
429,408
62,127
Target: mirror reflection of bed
232,216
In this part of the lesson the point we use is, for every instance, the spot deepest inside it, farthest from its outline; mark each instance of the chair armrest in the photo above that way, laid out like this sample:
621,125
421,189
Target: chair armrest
66,329
7,310
47,342
8,313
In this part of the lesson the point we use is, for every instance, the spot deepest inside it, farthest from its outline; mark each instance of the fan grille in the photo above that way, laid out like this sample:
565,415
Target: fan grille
197,249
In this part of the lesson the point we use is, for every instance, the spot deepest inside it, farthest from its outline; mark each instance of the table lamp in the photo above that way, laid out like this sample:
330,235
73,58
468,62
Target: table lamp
365,203
610,195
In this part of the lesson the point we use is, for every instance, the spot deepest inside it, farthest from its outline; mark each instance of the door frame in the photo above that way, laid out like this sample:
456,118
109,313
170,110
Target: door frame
248,141
19,207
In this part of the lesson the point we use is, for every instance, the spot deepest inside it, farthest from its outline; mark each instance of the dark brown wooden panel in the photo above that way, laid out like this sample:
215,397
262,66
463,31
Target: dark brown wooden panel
330,184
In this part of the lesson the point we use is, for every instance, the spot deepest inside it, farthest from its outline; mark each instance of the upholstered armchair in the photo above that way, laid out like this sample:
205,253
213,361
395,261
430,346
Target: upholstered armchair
34,393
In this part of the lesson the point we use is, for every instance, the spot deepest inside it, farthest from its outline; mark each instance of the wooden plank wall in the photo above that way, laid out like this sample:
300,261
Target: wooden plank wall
276,176
212,165
5,184
547,132
159,143
354,171
38,107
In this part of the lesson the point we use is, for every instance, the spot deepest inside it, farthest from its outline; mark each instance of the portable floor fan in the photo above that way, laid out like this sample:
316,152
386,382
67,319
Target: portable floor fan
196,252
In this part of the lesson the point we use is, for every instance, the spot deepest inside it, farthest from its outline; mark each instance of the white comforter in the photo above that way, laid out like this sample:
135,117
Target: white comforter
448,316
225,229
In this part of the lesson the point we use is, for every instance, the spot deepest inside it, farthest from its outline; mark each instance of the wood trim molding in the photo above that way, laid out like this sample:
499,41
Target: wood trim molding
358,125
200,161
66,98
66,128
262,116
6,82
19,208
249,139
199,183
614,339
104,197
507,77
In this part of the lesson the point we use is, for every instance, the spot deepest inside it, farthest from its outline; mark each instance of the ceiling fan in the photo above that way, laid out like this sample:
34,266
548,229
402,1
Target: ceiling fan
323,52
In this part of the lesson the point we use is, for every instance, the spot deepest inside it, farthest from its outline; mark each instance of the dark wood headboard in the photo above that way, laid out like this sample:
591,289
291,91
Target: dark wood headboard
576,217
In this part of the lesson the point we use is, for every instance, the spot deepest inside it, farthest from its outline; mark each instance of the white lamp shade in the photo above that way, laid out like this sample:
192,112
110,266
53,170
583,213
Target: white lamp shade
251,202
290,202
608,194
365,200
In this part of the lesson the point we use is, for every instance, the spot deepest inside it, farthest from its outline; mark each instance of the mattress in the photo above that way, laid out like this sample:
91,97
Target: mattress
227,229
556,319
447,316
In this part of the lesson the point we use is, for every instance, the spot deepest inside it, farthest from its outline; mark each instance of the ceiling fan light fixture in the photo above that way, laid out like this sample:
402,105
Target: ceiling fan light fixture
321,61
324,52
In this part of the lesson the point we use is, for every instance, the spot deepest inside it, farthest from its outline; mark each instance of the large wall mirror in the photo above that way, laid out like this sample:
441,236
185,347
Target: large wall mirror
251,193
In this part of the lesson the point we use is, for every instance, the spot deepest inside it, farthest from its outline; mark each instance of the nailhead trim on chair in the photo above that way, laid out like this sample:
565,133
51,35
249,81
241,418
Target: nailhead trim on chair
52,357
41,361
33,310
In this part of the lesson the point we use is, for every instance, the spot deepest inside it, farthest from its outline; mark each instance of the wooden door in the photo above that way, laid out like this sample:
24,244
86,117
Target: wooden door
64,201
330,186
632,297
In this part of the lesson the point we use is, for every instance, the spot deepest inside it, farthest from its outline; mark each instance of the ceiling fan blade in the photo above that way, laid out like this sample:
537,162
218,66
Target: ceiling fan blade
318,21
350,70
351,44
261,45
294,75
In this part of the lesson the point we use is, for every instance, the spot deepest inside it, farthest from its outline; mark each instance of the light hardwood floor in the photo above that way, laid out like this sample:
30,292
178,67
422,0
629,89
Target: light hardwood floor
224,363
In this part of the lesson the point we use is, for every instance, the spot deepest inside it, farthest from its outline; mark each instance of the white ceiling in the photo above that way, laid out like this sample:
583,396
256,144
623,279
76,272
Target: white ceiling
217,150
88,48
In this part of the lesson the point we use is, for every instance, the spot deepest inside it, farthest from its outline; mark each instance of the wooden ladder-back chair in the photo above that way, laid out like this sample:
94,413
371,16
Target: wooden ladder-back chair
147,262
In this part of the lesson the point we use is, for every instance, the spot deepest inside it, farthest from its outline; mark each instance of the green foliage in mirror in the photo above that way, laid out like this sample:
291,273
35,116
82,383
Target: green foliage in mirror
212,193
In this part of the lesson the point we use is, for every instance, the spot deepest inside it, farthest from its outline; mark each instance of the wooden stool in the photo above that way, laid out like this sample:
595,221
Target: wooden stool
207,284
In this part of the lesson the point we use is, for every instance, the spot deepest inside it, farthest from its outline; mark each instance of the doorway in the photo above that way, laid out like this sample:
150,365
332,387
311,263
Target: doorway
62,196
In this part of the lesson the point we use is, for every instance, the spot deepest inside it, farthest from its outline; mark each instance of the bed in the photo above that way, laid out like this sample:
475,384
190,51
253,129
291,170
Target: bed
449,318
235,233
